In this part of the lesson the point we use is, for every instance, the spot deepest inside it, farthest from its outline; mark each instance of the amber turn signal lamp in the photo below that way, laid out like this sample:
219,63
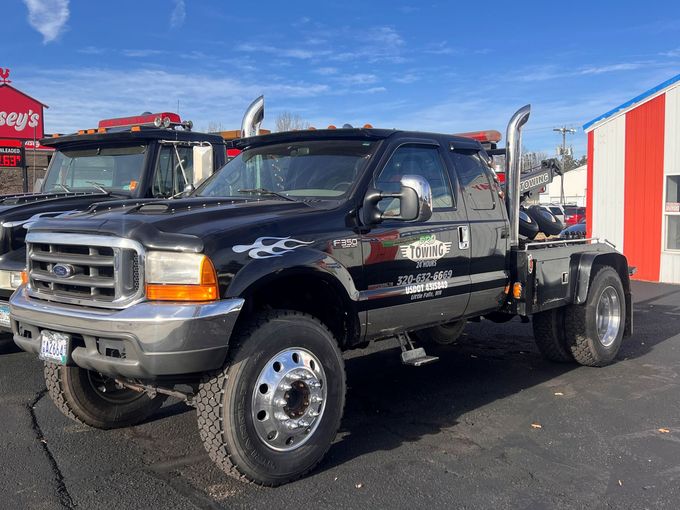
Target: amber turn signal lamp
517,290
24,277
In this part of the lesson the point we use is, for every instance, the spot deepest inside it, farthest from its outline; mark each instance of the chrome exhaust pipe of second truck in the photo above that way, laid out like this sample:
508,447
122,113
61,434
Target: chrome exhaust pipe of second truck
252,119
513,169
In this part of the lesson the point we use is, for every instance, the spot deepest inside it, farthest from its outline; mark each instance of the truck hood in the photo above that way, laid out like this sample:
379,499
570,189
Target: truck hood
15,210
188,224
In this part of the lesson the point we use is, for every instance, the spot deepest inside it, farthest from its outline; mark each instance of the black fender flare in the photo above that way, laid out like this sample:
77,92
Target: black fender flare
257,274
584,269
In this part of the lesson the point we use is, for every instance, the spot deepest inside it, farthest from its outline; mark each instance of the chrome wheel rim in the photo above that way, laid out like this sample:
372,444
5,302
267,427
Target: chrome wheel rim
289,399
608,316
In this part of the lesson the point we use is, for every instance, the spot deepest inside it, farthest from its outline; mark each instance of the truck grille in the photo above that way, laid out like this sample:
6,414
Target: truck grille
86,270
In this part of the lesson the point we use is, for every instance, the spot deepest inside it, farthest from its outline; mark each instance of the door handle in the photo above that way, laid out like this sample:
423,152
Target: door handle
463,237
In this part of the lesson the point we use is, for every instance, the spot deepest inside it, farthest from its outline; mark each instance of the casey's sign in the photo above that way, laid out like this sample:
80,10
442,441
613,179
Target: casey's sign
21,116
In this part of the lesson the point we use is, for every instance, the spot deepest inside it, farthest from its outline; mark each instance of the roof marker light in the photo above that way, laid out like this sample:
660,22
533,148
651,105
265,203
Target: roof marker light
488,136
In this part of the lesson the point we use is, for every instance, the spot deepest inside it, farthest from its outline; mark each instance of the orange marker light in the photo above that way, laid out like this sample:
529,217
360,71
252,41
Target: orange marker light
133,185
517,290
135,128
24,277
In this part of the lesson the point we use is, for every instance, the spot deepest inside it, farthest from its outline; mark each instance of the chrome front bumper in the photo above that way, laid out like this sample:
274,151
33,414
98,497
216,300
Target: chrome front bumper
145,340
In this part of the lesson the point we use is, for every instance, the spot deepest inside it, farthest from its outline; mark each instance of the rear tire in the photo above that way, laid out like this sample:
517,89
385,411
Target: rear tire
549,336
594,330
444,334
284,368
77,394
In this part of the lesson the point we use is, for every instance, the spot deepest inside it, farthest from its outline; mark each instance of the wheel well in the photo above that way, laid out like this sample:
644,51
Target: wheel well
615,261
311,294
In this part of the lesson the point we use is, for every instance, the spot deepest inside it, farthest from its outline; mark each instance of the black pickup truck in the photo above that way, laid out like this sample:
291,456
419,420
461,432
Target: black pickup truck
241,298
137,157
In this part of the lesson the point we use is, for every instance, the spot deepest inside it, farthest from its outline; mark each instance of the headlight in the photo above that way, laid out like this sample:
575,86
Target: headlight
172,276
10,280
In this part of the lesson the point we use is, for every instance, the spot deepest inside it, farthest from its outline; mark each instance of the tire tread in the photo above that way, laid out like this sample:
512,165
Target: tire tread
211,395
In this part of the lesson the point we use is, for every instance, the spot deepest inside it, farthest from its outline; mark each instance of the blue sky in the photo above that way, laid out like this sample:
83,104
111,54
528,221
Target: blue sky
442,66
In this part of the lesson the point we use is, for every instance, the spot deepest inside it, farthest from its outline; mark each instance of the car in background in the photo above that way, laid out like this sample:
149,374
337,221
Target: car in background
574,214
556,210
577,231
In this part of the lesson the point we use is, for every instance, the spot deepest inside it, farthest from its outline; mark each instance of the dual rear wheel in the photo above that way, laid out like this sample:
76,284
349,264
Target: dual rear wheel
590,334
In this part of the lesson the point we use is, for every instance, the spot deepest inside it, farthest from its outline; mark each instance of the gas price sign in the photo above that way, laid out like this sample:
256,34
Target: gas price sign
11,154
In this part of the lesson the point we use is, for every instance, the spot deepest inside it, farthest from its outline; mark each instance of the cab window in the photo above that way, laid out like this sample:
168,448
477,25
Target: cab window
174,170
421,160
475,178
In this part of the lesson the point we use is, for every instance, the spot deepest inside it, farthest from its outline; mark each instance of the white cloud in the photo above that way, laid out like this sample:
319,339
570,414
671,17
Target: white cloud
627,66
179,14
298,53
92,50
142,53
359,79
326,71
48,17
78,98
672,53
407,78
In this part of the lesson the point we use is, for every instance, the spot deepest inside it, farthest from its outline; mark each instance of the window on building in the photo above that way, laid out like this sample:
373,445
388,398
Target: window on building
672,212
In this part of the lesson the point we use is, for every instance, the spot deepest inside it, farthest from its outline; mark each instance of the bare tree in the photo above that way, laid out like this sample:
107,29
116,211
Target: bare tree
532,159
288,121
214,127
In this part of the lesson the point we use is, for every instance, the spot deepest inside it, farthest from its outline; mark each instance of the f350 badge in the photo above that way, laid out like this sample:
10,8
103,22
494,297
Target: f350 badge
268,247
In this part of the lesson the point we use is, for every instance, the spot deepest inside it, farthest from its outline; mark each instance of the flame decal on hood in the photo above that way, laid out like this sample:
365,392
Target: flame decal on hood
260,250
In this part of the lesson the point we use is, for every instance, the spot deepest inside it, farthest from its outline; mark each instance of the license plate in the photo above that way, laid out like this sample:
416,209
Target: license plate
54,347
4,315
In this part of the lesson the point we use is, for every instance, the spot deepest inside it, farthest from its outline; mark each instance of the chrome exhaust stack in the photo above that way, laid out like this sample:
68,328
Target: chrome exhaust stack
252,119
513,169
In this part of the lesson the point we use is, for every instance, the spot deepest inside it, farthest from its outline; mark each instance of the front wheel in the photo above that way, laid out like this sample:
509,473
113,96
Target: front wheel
594,330
272,413
96,400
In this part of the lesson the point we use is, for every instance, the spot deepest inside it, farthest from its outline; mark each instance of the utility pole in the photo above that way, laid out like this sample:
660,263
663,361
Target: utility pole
564,130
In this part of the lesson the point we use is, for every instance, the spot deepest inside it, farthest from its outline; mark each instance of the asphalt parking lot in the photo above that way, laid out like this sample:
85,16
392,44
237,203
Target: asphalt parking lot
491,425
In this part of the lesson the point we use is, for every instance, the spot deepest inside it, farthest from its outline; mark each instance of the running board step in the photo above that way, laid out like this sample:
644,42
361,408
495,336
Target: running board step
411,355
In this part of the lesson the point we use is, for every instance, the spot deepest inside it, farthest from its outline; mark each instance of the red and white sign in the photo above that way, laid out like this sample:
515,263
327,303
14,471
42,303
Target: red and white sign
21,116
36,145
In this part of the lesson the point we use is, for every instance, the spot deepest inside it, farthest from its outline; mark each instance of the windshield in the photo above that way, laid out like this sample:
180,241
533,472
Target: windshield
116,169
313,169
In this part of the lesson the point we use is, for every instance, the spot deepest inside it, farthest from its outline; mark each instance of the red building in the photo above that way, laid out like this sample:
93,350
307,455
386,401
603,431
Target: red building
633,196
22,159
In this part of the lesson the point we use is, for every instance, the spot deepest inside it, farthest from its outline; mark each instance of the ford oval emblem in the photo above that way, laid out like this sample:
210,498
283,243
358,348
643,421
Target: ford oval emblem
63,270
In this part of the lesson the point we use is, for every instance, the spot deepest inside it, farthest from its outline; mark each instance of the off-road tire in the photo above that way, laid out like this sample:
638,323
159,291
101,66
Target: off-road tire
224,399
546,221
444,334
549,336
580,322
72,391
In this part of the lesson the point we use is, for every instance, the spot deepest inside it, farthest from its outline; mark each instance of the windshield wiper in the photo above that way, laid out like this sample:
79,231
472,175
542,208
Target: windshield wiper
264,191
99,187
62,187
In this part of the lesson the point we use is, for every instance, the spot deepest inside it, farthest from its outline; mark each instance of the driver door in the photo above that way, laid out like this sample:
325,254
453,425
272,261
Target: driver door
416,273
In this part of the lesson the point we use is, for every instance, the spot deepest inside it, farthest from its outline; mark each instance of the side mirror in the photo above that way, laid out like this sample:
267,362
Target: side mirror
415,201
203,163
